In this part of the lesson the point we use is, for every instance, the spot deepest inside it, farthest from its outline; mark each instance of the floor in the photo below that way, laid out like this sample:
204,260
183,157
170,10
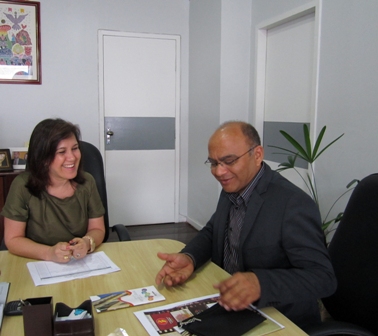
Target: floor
182,232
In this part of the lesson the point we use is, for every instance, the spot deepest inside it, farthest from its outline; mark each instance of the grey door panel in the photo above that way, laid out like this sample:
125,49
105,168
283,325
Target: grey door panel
140,133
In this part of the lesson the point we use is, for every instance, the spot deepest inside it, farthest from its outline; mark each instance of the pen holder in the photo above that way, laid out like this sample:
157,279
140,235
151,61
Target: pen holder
82,327
38,316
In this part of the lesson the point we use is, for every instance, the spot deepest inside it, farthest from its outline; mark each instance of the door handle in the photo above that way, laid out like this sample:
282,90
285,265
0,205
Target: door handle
109,133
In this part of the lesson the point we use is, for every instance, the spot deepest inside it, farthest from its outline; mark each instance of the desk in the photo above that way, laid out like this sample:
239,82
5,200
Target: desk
139,266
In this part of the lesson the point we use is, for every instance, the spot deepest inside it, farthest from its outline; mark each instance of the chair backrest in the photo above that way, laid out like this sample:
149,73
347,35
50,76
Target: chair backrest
94,165
354,254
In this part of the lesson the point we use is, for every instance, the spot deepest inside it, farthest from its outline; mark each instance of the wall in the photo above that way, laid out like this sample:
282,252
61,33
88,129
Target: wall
222,84
348,86
347,100
70,66
219,53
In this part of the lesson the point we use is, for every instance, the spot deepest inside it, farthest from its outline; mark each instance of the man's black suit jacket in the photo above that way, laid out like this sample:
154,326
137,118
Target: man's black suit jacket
281,242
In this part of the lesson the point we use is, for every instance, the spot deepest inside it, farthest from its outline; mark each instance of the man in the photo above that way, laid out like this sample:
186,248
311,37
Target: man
17,160
265,231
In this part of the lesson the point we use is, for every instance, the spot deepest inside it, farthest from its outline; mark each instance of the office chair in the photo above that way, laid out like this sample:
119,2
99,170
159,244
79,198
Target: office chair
354,255
93,164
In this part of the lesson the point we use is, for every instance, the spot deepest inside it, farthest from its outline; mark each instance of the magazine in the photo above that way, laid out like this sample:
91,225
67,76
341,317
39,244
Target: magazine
164,320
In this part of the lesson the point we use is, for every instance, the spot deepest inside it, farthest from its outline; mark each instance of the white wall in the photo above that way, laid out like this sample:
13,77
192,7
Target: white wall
70,66
348,86
204,104
219,56
348,98
221,80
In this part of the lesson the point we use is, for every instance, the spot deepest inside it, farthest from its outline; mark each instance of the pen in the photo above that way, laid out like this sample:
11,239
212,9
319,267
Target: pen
258,311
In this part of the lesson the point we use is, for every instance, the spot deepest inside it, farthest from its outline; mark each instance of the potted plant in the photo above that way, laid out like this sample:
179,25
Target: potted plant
309,154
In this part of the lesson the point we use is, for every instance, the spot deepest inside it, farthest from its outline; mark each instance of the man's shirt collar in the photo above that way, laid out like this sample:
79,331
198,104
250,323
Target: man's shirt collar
237,198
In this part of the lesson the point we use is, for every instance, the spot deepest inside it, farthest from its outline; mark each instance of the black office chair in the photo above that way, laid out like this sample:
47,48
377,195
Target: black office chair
93,164
354,254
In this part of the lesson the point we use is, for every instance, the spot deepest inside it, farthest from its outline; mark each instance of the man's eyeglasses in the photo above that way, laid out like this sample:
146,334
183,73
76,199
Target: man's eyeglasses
228,162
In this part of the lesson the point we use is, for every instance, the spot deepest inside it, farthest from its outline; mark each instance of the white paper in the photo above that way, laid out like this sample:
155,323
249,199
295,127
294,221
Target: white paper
4,289
49,272
1,314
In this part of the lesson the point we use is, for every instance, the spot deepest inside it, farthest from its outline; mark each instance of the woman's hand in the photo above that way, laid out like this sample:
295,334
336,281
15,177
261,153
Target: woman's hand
78,247
60,253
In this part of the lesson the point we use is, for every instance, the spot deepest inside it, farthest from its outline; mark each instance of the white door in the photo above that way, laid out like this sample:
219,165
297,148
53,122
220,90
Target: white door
139,113
286,82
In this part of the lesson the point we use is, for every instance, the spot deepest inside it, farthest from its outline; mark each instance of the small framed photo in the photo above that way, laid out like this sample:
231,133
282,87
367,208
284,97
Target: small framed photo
5,160
18,157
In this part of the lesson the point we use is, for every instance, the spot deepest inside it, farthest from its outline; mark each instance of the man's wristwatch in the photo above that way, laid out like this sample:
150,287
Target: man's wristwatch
92,244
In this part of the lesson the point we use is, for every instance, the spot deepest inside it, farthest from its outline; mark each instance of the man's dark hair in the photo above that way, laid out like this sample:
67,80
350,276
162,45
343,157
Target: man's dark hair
250,132
247,129
43,144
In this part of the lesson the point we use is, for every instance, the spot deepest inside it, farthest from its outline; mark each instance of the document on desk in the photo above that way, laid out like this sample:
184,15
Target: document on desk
165,319
49,272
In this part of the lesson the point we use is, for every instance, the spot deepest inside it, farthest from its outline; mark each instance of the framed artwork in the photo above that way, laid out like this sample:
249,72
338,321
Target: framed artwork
20,43
18,157
5,160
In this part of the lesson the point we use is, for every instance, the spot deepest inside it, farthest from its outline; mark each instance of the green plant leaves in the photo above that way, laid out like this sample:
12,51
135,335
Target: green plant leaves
288,165
309,154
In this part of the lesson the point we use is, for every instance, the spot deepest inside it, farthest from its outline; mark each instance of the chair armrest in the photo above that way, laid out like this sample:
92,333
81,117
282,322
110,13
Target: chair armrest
337,328
122,232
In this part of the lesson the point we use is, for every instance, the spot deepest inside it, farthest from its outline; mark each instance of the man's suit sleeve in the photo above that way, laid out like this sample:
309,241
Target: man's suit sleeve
200,247
311,274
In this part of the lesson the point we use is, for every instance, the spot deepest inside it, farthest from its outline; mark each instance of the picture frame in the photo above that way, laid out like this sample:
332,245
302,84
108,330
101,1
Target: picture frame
5,161
20,52
18,154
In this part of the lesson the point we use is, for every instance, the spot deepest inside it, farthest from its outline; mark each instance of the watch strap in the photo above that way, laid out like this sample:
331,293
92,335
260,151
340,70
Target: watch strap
92,244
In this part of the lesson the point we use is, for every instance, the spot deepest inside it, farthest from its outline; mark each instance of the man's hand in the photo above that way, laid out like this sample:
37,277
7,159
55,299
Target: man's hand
176,270
238,291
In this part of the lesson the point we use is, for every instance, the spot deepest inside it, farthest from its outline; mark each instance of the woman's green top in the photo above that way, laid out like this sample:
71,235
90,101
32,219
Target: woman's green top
50,220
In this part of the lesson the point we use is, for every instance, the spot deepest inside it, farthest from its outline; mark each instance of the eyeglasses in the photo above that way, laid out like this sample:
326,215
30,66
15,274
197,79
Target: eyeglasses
228,162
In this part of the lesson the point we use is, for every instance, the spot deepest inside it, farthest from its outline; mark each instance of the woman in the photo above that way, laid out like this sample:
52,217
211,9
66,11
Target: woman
53,210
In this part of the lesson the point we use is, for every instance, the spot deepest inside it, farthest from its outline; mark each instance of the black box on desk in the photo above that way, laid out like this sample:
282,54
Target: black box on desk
82,327
38,316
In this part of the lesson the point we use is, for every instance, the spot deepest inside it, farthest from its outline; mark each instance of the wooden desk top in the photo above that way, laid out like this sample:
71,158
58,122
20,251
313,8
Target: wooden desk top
139,266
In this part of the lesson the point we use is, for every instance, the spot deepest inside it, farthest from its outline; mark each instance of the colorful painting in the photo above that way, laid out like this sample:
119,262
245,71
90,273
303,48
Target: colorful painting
20,58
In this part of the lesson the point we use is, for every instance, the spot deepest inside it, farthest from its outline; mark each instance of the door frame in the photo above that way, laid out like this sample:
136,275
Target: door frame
314,7
101,34
261,47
